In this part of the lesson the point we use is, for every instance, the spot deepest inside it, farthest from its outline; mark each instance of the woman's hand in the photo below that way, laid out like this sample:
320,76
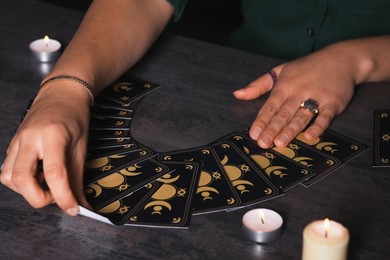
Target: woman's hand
326,76
55,130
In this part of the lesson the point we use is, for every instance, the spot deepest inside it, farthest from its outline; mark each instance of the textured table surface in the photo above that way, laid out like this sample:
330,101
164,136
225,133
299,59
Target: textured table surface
193,107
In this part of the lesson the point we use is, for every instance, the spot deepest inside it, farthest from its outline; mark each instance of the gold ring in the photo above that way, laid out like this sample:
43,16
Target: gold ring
310,105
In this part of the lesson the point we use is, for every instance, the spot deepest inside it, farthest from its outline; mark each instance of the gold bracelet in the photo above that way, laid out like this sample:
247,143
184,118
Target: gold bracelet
75,79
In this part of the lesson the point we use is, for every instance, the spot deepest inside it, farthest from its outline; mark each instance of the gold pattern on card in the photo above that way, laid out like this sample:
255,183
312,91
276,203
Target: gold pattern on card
166,192
265,162
176,220
268,191
329,162
386,137
236,174
384,115
231,201
385,160
147,85
110,208
354,147
327,146
122,86
115,180
118,132
122,113
238,138
119,122
119,140
204,188
102,162
291,151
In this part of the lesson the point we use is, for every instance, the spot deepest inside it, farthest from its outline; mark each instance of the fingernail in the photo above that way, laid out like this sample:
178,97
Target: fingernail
281,140
255,133
72,211
265,142
237,92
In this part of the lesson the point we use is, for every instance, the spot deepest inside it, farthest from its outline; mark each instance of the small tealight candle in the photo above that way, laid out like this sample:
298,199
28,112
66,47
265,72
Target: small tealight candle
262,225
324,240
45,49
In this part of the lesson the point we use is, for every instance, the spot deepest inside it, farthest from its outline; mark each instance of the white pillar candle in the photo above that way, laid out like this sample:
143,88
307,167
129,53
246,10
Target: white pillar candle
324,240
262,225
45,49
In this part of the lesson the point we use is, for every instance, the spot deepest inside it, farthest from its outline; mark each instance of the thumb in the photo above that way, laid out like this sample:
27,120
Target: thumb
259,86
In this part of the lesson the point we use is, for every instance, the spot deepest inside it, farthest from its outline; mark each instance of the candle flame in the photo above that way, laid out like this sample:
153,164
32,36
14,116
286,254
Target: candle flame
47,40
326,226
262,215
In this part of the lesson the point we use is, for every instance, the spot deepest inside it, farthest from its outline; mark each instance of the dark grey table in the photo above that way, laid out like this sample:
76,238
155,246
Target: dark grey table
193,107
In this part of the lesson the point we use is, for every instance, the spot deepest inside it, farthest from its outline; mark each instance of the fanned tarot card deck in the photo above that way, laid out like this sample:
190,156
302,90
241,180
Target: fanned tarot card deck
127,183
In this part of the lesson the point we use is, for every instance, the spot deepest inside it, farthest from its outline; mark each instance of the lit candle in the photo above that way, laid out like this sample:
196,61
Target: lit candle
45,49
262,225
324,240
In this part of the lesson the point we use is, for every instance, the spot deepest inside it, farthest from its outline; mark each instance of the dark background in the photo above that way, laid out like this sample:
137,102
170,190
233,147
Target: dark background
206,20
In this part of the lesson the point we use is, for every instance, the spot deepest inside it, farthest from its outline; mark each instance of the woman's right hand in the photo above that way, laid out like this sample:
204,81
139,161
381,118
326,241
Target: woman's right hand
55,131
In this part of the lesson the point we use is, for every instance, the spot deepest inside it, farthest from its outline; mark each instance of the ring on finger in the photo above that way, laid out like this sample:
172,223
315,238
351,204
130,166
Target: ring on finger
274,77
310,105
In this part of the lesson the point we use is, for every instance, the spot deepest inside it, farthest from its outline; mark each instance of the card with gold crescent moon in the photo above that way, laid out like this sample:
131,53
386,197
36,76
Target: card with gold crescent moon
102,102
98,168
321,163
108,134
280,171
108,112
105,123
109,151
214,192
335,145
172,203
120,183
126,90
119,211
250,184
110,143
382,138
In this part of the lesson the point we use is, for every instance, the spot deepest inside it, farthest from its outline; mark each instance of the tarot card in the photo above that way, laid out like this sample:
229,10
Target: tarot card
321,163
127,90
100,134
102,102
172,203
103,123
335,145
100,111
250,184
112,151
382,138
281,172
109,143
214,191
116,185
119,211
98,168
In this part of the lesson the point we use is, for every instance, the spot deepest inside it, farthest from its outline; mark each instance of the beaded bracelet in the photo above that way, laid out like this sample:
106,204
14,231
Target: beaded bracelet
75,79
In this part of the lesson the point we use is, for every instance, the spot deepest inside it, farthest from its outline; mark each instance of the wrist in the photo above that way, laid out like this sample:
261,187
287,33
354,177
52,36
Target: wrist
81,84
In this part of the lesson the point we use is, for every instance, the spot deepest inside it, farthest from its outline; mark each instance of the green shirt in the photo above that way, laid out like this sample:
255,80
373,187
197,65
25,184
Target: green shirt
288,29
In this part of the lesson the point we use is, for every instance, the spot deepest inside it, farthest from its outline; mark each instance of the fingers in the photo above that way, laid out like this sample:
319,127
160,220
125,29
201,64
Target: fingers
56,176
20,174
25,181
281,126
257,87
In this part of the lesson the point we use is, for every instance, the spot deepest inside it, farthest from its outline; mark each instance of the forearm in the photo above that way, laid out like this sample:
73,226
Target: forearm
112,37
365,59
